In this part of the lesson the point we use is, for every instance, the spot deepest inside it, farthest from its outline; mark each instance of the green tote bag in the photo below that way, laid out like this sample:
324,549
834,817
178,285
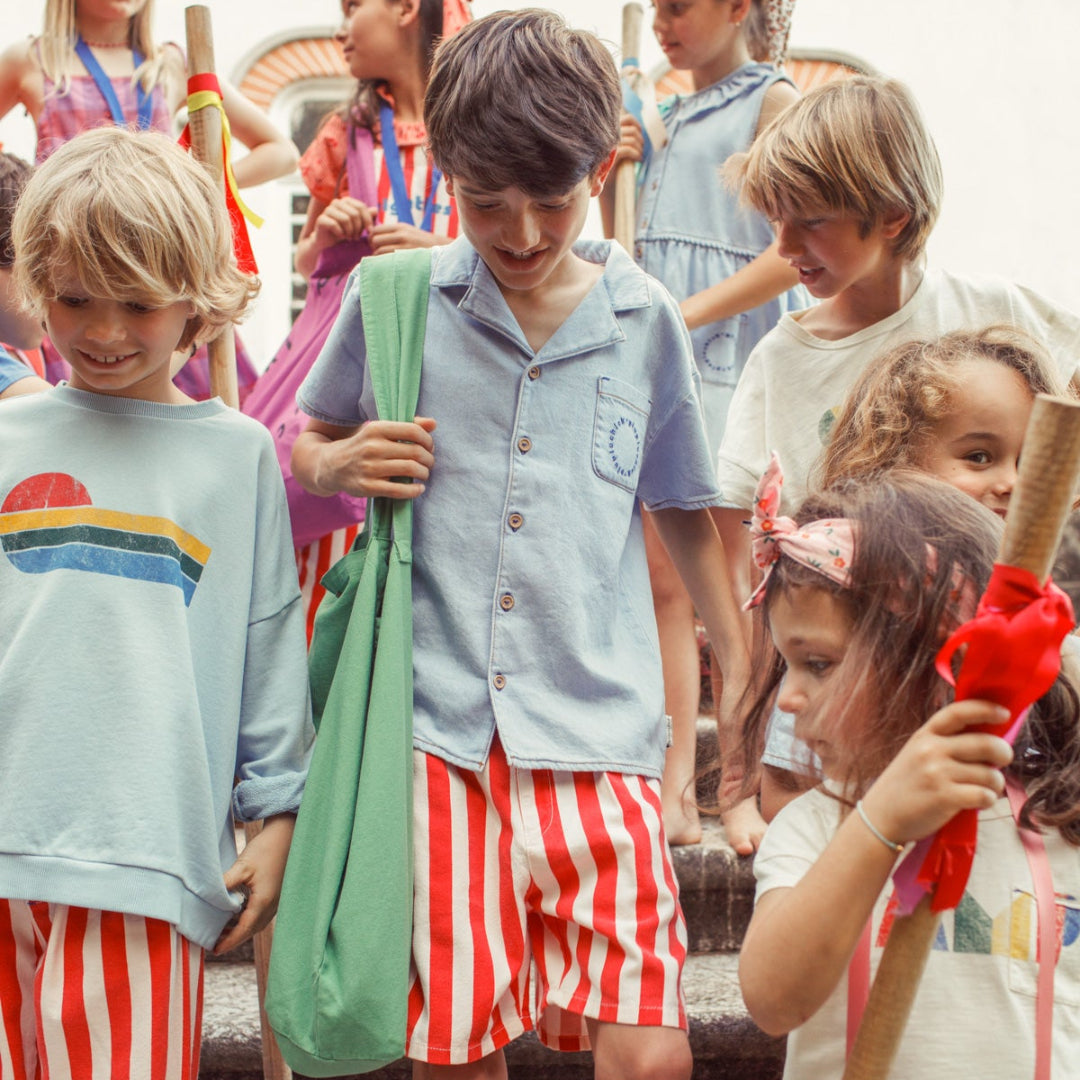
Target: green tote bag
337,987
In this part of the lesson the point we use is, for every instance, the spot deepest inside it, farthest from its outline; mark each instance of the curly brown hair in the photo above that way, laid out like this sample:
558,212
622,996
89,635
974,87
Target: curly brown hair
890,414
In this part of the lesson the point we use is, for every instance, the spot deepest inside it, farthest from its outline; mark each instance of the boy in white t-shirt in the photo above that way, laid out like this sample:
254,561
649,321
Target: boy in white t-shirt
851,180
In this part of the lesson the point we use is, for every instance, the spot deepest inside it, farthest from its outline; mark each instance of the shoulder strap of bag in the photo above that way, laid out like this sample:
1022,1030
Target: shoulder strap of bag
393,299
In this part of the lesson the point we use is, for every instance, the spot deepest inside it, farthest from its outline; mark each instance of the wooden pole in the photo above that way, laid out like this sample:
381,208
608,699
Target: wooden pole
626,173
205,125
1044,493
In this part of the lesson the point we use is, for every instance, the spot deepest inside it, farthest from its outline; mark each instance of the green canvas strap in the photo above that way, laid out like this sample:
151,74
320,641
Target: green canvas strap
393,299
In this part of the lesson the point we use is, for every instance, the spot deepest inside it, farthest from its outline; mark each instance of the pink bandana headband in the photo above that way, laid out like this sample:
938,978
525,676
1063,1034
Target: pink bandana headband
826,546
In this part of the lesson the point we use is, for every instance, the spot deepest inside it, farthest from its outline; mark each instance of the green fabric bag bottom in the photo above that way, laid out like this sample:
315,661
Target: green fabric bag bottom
337,987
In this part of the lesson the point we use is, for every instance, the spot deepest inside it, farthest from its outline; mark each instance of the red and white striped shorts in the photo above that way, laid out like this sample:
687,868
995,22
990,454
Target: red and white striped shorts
313,561
542,897
87,994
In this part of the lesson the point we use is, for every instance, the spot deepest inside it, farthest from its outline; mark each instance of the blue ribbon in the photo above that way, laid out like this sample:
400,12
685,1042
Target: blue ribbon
104,84
402,200
633,105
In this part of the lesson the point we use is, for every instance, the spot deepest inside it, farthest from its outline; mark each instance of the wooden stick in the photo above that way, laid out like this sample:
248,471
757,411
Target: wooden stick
274,1067
626,173
205,127
1040,503
206,146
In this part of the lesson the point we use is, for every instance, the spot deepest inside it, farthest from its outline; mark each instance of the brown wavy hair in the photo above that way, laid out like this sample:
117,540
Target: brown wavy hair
902,602
889,415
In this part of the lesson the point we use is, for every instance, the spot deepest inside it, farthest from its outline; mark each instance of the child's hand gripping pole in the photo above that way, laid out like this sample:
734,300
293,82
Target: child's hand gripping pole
1044,493
626,172
205,126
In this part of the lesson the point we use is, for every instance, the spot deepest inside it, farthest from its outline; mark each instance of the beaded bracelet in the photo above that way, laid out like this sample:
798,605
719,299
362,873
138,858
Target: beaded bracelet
894,847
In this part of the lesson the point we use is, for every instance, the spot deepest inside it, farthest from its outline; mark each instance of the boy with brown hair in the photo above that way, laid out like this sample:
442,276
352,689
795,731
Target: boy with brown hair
562,381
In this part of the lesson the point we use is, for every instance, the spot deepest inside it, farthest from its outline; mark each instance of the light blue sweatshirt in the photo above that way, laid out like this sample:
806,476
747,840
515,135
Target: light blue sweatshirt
152,651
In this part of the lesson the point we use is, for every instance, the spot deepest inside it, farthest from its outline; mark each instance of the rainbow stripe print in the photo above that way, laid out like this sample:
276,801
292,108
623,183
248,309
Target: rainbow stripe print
47,522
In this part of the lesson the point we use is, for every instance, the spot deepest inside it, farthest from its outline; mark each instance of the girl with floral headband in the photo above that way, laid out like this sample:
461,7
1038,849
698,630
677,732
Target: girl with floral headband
955,407
860,591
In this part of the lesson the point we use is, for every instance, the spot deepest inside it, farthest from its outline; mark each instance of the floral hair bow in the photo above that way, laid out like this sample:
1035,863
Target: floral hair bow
826,546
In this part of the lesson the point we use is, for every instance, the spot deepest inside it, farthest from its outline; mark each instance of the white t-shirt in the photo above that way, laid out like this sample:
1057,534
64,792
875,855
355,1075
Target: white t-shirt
974,1012
794,382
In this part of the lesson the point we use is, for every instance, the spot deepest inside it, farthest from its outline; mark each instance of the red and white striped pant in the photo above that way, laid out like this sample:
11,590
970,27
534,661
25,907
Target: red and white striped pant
542,897
96,995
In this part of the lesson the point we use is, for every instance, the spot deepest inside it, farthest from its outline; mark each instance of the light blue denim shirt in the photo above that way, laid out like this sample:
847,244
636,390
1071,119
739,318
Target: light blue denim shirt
692,231
532,611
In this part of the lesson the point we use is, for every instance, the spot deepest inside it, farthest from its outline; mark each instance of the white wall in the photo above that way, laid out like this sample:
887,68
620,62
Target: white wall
995,78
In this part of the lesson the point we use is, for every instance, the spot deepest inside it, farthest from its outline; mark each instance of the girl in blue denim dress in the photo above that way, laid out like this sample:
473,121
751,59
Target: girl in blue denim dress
719,260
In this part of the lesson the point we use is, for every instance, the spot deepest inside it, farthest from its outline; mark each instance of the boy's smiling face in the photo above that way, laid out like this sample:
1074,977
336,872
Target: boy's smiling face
524,239
117,347
833,251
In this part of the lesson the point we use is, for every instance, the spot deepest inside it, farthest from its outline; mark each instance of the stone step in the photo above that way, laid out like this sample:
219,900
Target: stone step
725,1041
716,888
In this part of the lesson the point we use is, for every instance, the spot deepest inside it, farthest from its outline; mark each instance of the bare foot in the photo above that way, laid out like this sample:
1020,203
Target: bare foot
681,822
744,826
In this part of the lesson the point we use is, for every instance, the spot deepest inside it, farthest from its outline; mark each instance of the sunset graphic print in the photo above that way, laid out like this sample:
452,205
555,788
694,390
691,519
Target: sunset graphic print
48,522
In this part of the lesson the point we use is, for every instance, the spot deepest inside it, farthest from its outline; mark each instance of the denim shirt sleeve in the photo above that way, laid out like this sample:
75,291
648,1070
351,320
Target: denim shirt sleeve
333,388
11,371
677,468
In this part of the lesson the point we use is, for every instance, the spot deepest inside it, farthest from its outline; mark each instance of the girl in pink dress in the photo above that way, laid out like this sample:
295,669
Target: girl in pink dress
373,189
80,73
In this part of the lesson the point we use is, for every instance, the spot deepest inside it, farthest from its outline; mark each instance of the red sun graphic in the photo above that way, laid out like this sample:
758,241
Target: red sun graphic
44,490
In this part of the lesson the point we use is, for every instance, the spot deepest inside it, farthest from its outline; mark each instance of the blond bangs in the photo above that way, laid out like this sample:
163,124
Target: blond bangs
160,236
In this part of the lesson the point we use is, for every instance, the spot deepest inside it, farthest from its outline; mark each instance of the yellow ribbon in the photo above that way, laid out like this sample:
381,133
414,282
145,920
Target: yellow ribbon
206,99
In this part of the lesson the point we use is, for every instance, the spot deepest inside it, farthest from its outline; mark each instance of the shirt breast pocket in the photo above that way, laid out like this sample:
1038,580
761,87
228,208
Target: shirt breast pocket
622,418
1022,946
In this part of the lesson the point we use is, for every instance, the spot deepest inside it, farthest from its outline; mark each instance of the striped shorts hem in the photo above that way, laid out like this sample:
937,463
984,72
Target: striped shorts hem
87,994
542,898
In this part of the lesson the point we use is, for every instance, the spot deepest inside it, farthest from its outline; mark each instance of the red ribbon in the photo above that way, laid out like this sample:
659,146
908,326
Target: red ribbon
1013,657
245,257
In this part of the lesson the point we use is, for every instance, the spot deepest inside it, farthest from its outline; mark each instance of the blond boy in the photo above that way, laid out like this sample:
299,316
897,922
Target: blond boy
152,648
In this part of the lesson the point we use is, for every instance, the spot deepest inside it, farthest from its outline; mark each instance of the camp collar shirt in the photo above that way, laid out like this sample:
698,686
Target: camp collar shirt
532,611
